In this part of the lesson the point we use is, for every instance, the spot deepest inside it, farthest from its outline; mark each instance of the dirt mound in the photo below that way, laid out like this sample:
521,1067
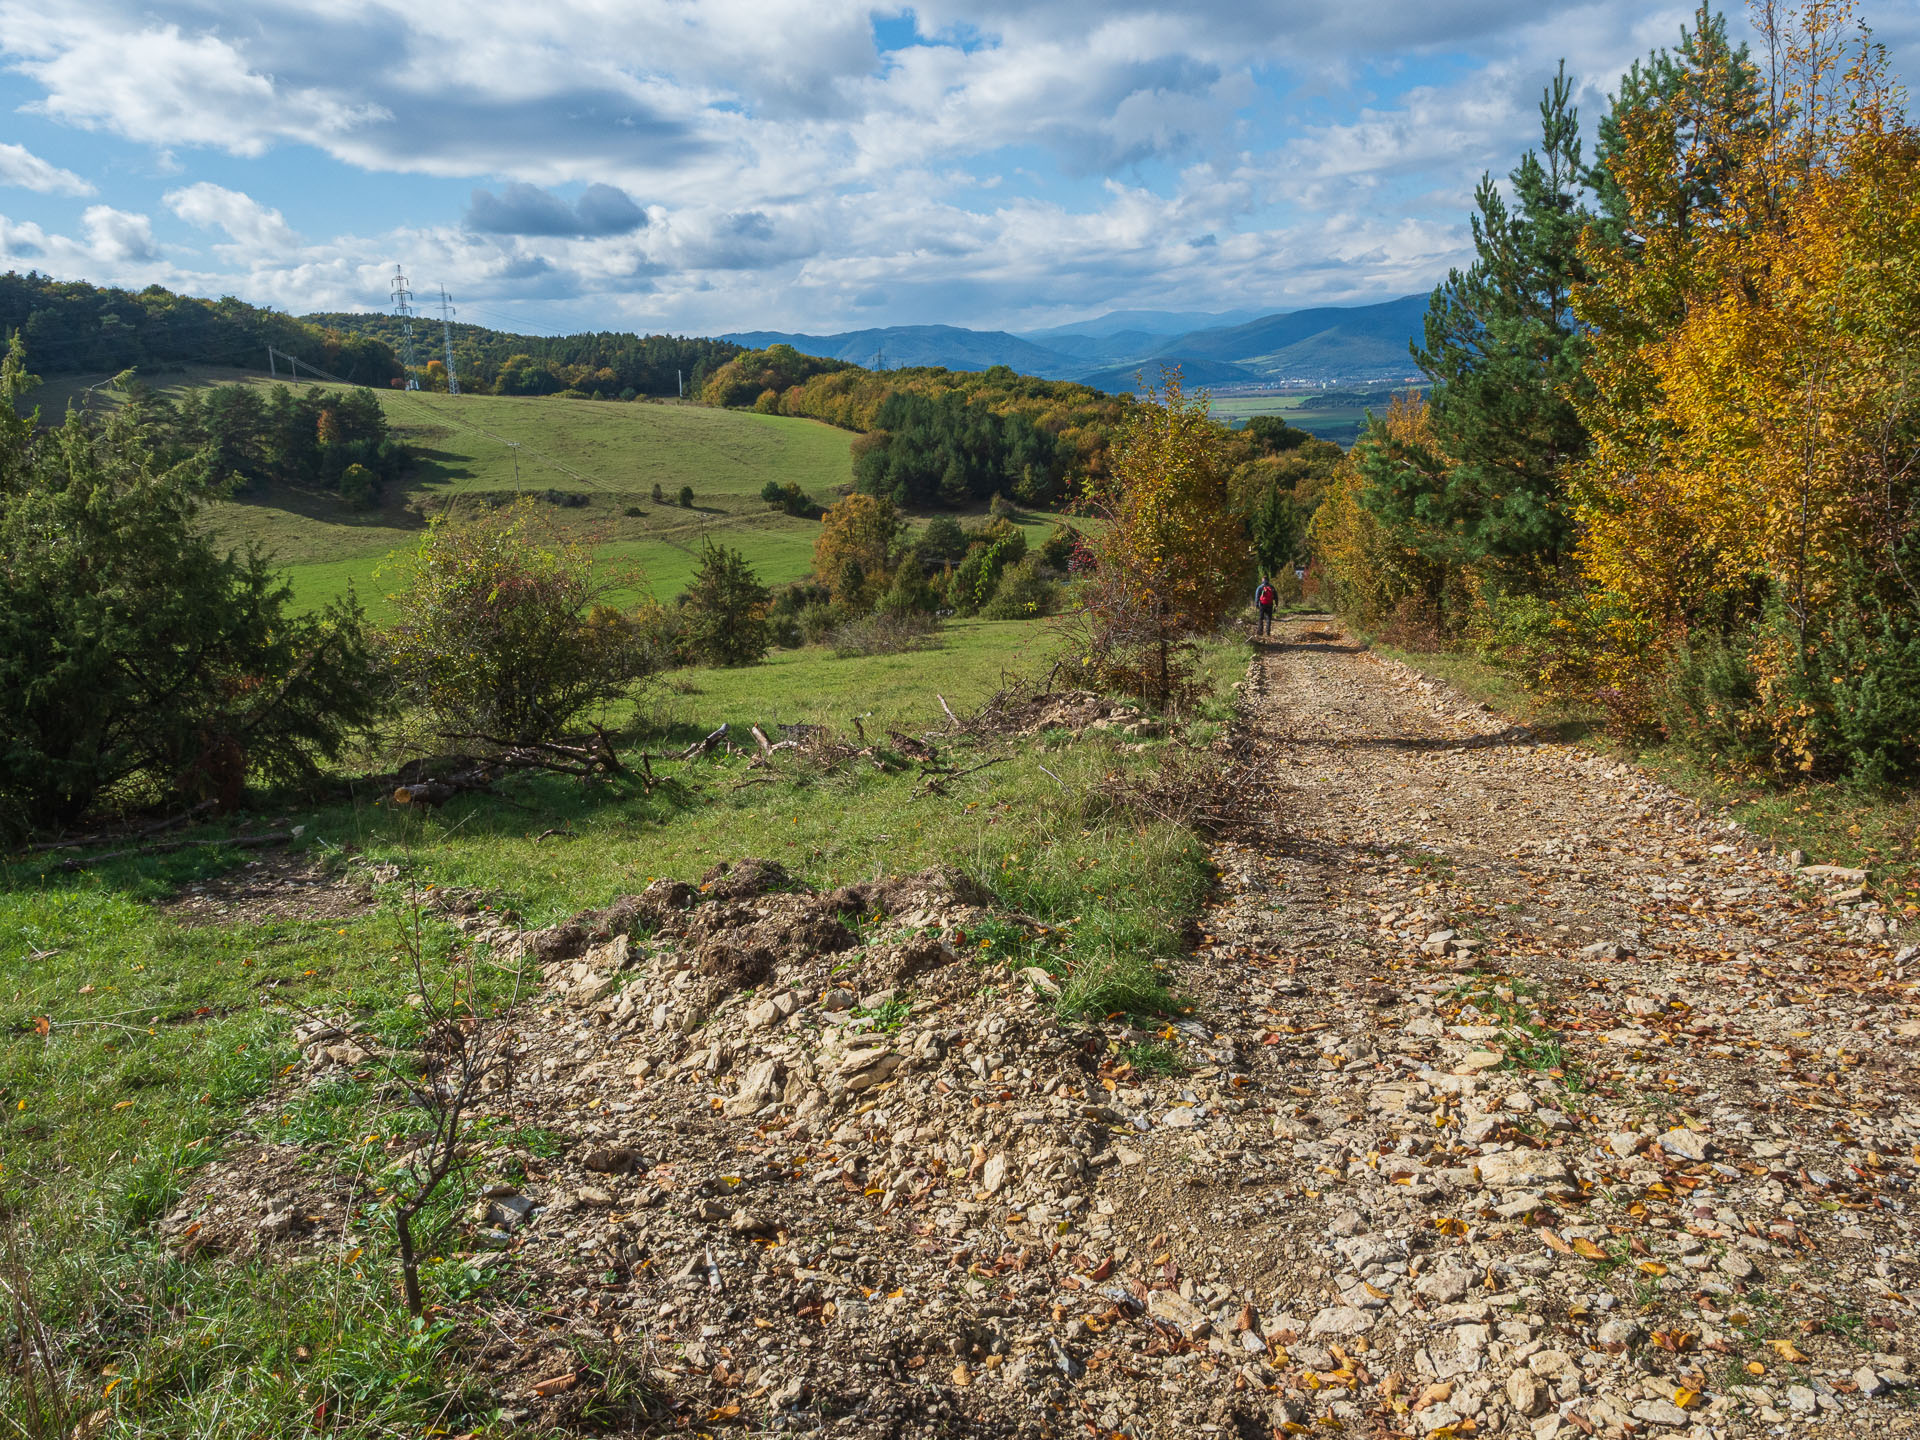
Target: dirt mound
748,879
769,1115
747,924
788,927
904,894
893,966
660,907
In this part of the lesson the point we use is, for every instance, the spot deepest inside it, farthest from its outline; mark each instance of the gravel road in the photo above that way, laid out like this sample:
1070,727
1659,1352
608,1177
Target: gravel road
1517,1097
1567,1109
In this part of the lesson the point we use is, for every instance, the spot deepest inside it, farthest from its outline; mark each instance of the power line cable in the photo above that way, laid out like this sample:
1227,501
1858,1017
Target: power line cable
558,332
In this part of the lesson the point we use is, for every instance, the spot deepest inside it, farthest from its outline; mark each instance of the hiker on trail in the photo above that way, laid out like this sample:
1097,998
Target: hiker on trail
1264,598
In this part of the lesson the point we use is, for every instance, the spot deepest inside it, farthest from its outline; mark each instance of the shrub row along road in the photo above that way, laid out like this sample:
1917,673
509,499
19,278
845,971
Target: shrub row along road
1542,1103
1517,1097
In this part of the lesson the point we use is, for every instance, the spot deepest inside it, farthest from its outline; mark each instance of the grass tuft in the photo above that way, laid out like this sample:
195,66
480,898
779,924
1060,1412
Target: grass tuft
1153,1057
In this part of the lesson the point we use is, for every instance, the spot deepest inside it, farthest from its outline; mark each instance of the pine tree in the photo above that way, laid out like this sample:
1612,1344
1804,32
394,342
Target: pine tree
1504,353
726,610
1277,526
1708,96
137,652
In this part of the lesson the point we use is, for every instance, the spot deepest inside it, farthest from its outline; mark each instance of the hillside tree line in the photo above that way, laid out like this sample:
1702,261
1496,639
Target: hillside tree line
1670,464
594,365
932,437
71,327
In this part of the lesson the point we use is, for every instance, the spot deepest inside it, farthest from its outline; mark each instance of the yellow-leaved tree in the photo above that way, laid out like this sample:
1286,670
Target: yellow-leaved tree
1169,555
855,552
1755,413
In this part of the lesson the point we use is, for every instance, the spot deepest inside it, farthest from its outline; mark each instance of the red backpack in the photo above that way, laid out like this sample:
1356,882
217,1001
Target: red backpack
1266,595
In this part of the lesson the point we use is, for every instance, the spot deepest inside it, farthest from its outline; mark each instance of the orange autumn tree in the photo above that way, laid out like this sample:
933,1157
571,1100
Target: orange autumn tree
1749,541
857,548
1169,555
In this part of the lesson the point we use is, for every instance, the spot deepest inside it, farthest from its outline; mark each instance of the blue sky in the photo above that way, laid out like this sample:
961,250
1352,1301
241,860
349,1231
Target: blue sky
707,165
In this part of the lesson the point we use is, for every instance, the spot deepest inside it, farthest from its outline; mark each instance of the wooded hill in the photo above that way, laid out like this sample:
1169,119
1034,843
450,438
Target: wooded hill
72,327
601,365
935,436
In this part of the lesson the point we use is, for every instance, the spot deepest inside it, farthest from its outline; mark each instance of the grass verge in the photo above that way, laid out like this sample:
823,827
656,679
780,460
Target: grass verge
1833,822
149,1000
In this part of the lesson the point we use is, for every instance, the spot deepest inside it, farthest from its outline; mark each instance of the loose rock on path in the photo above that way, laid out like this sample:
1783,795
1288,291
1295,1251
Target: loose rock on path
1517,1097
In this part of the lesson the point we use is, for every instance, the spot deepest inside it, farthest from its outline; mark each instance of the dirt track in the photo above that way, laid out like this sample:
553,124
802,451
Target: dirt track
1566,1110
1517,1098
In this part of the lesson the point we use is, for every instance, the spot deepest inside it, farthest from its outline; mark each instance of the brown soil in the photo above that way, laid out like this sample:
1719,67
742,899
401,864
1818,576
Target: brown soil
277,886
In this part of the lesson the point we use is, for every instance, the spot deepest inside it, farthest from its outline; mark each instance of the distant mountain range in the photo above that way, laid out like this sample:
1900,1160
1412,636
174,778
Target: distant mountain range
898,346
1331,345
1148,322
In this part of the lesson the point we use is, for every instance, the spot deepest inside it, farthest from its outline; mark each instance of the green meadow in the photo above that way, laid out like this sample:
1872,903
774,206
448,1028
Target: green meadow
1340,424
601,458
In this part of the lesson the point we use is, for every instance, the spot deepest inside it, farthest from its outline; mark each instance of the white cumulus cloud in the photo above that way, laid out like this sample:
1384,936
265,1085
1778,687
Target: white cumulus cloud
731,163
119,238
250,224
115,247
160,85
20,166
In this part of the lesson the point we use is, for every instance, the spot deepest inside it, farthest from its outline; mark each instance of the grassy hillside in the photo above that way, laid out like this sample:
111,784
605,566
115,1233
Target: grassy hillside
622,451
167,985
613,455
